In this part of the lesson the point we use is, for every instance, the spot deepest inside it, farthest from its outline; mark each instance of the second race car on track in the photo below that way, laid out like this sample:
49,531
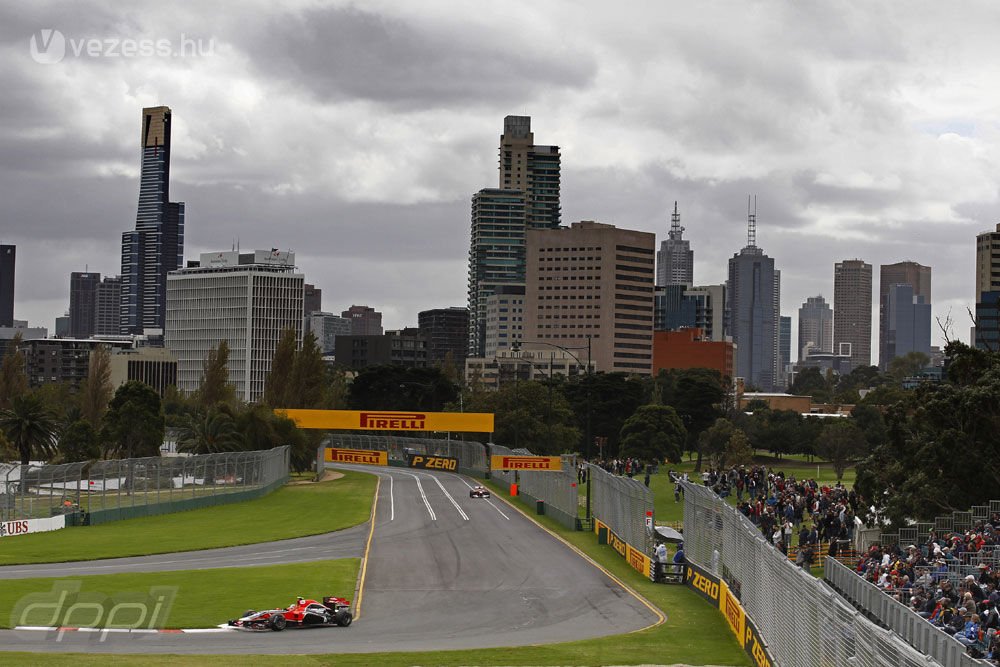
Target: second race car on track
303,613
479,492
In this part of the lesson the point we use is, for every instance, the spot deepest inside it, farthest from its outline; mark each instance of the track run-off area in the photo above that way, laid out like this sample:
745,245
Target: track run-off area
440,571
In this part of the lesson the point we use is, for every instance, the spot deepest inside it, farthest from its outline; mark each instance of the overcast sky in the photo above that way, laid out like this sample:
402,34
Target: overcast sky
355,134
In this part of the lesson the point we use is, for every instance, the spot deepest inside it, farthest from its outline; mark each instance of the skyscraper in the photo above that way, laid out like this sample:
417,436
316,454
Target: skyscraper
313,299
528,198
156,246
8,254
593,282
852,311
815,326
752,288
108,306
908,323
82,303
987,329
909,273
445,330
365,320
675,259
784,349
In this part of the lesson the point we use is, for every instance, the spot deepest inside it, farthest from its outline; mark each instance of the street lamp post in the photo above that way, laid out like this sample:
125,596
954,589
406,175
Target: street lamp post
588,437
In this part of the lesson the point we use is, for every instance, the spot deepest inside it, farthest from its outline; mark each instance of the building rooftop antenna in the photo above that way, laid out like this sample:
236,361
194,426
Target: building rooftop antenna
752,223
675,225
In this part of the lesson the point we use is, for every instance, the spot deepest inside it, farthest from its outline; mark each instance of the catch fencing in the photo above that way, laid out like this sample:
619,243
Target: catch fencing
471,455
801,620
101,491
557,489
899,618
625,505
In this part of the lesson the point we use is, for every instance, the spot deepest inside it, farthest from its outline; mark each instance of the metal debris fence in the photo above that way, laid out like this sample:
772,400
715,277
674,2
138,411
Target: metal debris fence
556,489
99,491
623,504
471,455
801,619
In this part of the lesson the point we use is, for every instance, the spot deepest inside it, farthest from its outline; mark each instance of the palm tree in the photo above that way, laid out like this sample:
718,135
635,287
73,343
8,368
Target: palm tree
208,434
30,427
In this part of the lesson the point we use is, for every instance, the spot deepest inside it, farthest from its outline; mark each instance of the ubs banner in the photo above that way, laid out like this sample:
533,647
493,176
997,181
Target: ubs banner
717,592
366,456
386,420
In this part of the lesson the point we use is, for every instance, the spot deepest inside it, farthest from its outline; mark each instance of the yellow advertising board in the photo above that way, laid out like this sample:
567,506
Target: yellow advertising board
387,420
366,456
517,462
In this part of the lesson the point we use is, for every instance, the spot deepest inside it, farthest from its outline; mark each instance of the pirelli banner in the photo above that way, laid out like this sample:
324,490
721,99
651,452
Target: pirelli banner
366,456
386,420
532,463
717,592
636,558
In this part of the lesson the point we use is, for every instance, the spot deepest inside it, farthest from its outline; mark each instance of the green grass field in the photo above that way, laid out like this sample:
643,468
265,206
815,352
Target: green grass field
292,511
196,600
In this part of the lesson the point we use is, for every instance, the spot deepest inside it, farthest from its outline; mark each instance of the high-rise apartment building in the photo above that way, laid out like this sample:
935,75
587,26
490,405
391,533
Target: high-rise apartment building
313,299
326,327
592,282
908,323
909,273
675,259
754,318
365,320
83,303
245,299
784,350
504,319
107,308
8,255
527,198
156,245
815,326
987,330
446,331
852,311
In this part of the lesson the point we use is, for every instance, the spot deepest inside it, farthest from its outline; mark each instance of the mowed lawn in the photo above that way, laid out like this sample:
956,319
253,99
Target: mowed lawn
188,599
292,511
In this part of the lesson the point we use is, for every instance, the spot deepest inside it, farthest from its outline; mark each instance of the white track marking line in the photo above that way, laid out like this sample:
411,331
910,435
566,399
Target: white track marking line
452,499
423,495
392,502
488,502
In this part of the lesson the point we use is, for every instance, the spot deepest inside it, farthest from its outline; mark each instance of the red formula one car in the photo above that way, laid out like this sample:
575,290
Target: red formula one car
304,613
479,492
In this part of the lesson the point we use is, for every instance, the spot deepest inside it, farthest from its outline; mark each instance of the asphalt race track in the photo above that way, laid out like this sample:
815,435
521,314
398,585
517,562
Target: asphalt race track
444,571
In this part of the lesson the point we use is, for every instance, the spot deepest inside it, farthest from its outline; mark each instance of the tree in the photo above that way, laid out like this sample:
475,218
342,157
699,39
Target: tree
908,365
308,387
215,387
399,388
738,450
698,398
134,425
869,419
13,378
255,426
29,427
653,433
840,442
777,431
811,382
612,397
79,442
714,441
278,380
530,415
211,433
96,391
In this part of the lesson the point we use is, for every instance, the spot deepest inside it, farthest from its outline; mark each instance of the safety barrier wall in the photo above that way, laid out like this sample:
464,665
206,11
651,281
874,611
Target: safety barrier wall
557,489
100,491
800,620
899,618
625,505
471,455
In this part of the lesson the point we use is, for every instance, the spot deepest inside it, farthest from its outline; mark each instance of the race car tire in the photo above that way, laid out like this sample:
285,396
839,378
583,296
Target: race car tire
278,623
344,618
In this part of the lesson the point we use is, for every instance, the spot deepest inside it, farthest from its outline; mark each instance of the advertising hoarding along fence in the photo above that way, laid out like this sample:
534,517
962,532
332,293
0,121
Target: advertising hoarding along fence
433,462
519,462
388,420
639,561
364,456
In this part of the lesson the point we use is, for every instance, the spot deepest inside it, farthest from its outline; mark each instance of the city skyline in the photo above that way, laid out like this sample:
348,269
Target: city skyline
907,175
